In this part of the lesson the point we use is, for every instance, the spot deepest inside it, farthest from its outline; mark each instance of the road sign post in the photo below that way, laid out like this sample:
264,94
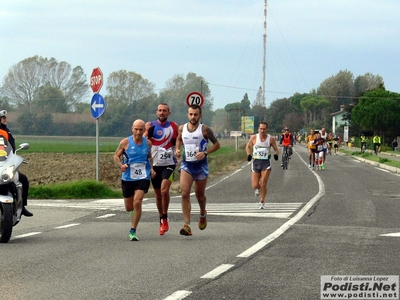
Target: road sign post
98,107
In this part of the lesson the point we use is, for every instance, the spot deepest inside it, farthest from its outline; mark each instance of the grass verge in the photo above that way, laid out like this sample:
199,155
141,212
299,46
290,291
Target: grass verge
371,157
84,189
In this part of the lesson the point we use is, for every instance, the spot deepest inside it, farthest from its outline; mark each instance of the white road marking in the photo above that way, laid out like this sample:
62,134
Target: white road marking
272,210
394,234
25,235
67,226
178,295
217,271
250,209
105,216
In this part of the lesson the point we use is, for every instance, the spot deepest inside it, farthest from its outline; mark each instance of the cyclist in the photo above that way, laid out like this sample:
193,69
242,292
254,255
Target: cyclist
363,141
376,140
286,140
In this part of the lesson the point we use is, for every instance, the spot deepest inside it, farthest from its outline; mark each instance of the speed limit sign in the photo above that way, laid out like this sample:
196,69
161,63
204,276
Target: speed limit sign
195,98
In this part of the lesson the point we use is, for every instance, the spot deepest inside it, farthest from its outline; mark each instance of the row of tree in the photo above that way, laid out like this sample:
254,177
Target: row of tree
40,86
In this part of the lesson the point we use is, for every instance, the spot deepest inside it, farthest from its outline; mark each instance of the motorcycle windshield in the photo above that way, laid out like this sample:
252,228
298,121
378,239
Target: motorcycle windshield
5,148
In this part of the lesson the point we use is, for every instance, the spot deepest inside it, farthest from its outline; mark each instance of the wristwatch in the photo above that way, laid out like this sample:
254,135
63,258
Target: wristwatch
205,152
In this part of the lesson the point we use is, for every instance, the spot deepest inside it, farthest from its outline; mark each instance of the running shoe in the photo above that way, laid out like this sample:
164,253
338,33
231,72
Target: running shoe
323,166
161,230
133,236
186,230
131,213
261,205
164,224
203,221
309,166
257,192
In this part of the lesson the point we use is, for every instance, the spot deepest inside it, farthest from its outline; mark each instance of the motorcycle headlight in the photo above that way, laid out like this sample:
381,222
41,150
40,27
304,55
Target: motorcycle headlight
8,174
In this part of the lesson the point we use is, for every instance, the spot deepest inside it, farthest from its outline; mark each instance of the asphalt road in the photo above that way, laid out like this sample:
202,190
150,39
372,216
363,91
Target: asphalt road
330,222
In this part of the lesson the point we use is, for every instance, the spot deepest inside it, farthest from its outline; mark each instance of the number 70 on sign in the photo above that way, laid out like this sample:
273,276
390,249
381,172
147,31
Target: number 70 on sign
195,98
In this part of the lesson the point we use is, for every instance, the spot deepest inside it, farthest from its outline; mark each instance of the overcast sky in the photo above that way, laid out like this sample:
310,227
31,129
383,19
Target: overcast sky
220,40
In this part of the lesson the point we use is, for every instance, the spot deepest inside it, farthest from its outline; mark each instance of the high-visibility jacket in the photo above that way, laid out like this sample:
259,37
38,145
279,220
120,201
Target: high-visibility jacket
376,140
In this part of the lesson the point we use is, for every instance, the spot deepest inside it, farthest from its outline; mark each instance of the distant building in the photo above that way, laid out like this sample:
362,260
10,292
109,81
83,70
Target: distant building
337,119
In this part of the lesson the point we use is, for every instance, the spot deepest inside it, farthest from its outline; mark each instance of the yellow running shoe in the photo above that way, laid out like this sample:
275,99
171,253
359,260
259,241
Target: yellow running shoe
203,221
186,230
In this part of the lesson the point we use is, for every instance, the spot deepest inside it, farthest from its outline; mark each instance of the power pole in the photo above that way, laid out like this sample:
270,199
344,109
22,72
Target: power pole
265,52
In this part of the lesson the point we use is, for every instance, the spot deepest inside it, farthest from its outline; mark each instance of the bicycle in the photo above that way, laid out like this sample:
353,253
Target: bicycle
363,147
285,158
376,149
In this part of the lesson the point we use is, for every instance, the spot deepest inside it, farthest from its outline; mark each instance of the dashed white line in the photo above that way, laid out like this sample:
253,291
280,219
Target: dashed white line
35,233
217,271
68,225
105,216
25,235
394,234
178,295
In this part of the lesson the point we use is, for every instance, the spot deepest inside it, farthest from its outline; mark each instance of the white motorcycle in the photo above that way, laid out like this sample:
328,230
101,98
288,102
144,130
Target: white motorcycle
11,203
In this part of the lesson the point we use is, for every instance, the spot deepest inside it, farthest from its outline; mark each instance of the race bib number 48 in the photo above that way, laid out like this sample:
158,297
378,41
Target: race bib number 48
138,171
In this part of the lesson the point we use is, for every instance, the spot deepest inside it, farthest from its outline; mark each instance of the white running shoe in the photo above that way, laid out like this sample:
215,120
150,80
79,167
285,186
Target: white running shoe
261,205
257,192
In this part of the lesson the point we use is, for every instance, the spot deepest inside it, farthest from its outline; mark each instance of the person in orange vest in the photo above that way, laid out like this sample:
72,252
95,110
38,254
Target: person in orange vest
286,140
22,177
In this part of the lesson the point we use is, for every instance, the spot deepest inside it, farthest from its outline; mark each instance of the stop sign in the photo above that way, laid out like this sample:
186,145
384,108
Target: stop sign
96,80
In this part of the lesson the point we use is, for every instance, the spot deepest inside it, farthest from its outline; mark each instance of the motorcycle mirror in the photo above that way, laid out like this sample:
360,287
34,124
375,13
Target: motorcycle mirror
23,146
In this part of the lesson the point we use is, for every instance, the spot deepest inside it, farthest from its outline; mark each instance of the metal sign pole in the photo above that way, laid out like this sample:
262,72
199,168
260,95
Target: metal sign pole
97,150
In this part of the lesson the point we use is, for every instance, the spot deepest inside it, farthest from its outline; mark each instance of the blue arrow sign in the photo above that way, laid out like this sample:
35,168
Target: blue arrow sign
98,106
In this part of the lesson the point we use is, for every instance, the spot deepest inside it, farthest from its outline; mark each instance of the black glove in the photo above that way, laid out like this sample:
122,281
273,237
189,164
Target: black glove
276,157
249,157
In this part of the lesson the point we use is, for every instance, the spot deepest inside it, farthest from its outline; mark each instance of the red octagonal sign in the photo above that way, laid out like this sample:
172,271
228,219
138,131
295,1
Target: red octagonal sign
96,80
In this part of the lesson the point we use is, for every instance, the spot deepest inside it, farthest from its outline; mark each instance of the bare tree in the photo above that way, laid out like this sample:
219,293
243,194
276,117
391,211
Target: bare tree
24,80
